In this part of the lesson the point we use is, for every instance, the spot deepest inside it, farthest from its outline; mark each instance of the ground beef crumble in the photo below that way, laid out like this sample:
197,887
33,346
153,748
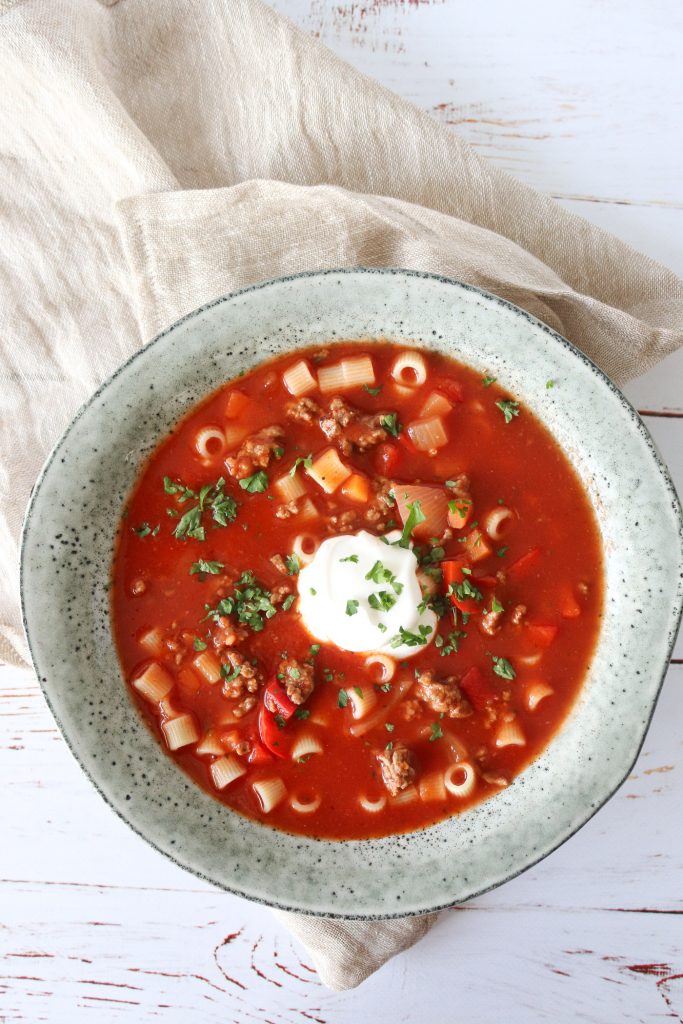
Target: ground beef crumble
255,452
248,680
398,768
297,679
443,696
350,429
304,410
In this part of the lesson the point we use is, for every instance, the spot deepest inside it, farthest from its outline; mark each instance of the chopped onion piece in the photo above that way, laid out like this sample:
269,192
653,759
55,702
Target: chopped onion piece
298,379
433,505
289,487
234,434
179,732
409,369
406,796
536,692
225,770
436,405
431,787
154,683
236,404
460,778
270,792
429,434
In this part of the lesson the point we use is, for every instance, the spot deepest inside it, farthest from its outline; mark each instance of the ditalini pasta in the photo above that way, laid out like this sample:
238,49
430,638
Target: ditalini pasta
356,590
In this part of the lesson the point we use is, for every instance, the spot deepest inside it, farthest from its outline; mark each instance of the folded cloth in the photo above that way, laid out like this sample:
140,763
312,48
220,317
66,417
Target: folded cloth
158,153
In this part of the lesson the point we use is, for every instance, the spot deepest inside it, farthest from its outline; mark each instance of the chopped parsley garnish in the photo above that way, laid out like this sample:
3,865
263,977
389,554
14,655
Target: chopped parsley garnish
385,687
288,602
372,391
278,452
294,672
314,649
404,636
503,668
312,591
437,732
351,607
501,551
350,558
381,627
488,381
415,517
390,746
391,424
460,505
342,699
509,408
190,525
550,384
224,509
206,568
173,487
249,602
464,590
198,644
304,460
496,606
389,726
382,601
358,690
255,484
453,645
380,574
328,674
302,713
279,721
143,530
211,496
292,563
229,673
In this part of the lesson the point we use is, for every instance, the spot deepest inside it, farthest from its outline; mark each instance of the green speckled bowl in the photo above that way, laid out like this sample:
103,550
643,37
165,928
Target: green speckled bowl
67,552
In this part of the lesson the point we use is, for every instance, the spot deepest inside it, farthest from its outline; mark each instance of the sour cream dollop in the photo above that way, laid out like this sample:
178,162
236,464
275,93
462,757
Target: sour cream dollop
361,594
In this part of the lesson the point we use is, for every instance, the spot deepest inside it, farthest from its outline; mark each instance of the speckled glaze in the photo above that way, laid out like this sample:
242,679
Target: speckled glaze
67,552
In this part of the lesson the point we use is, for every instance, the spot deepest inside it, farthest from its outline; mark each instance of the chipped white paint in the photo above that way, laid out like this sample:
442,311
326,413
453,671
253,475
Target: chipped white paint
96,925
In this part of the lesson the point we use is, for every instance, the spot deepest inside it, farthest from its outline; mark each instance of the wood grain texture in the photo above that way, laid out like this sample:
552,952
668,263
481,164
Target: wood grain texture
584,103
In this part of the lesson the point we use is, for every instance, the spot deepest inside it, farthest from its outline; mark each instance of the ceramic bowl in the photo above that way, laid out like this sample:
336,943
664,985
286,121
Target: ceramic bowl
67,552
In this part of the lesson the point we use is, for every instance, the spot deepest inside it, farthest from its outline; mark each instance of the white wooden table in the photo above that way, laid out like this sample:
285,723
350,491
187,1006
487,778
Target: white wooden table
581,99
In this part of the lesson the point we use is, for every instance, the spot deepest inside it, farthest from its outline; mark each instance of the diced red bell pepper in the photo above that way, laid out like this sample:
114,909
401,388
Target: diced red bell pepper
453,389
541,634
258,753
488,581
387,459
524,563
276,700
271,734
477,688
452,569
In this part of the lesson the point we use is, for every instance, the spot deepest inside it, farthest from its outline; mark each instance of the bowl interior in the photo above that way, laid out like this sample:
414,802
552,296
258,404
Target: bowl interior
67,550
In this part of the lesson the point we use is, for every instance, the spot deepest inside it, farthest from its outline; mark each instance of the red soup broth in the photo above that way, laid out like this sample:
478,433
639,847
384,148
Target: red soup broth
509,545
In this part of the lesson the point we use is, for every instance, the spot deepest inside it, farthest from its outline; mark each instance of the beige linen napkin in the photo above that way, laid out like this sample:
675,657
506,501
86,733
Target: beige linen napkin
155,154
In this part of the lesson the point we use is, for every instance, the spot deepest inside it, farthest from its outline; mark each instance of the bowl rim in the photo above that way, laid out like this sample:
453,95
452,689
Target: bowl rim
677,602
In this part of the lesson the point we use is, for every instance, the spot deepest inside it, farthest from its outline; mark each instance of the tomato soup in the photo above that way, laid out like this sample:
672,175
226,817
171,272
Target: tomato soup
356,590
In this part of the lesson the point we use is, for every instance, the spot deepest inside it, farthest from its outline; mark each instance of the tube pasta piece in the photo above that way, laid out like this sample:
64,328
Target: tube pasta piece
210,444
431,787
535,693
457,751
210,744
305,806
497,520
372,806
328,470
510,735
406,796
289,488
305,745
234,434
152,640
304,547
460,779
428,434
180,732
387,666
208,666
154,683
270,792
167,708
298,379
409,369
363,702
436,405
225,770
350,373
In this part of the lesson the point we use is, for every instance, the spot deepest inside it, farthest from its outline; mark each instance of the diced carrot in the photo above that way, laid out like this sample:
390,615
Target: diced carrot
477,546
356,488
433,505
236,404
541,634
569,606
477,688
524,563
459,511
387,459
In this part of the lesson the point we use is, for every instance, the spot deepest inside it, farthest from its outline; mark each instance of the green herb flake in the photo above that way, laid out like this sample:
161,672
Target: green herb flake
390,746
550,384
372,391
410,639
198,644
206,568
437,732
143,530
351,607
503,668
350,558
358,690
229,673
314,649
255,484
288,602
381,627
312,591
304,460
302,714
292,563
496,606
389,726
509,408
342,699
415,517
279,721
385,687
487,381
391,424
501,551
